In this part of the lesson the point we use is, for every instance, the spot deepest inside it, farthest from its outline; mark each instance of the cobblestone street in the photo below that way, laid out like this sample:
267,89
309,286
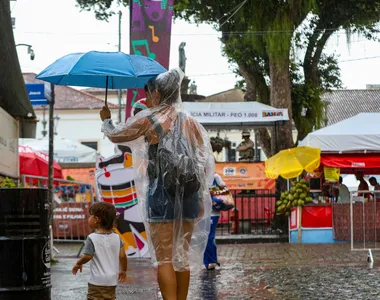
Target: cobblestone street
250,271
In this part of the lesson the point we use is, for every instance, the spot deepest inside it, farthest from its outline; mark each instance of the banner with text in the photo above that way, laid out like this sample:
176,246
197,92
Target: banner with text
150,30
244,176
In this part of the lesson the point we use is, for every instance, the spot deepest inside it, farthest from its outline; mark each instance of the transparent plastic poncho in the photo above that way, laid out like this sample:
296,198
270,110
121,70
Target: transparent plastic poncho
174,166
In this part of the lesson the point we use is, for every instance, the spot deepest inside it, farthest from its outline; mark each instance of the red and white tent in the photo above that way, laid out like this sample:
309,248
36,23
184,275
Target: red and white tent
36,163
350,145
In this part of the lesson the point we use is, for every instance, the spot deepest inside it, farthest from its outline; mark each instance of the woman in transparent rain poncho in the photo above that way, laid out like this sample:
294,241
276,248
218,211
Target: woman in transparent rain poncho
174,163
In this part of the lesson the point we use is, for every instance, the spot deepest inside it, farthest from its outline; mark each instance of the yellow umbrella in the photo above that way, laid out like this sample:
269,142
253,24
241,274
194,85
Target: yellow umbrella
290,163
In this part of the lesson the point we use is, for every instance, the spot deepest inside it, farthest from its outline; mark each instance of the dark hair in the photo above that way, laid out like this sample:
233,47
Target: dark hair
146,89
372,179
106,212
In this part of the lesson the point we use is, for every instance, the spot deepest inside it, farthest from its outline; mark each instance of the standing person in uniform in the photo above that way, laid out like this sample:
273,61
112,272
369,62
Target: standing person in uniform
105,250
174,167
246,147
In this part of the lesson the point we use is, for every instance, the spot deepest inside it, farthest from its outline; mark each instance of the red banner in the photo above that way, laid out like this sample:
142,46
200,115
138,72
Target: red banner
150,23
317,217
352,162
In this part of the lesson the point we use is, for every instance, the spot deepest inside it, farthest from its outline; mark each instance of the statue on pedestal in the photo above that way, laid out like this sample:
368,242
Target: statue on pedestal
182,57
193,88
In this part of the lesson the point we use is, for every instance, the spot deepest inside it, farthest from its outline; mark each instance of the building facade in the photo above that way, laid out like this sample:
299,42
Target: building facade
76,117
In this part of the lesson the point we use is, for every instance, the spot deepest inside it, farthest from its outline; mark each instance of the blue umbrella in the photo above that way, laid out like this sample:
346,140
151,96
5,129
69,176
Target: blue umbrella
114,70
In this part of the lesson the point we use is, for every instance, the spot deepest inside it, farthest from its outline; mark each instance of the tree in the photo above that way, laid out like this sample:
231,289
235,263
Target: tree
249,47
260,38
13,96
320,73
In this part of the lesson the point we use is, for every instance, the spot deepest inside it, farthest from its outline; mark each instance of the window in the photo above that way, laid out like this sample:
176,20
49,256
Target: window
93,145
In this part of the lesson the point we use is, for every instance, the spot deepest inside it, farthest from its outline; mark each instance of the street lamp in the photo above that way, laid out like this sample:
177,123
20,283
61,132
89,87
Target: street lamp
44,123
30,50
56,118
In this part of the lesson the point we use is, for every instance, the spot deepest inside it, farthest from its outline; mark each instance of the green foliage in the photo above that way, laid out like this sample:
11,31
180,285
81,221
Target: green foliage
103,9
308,96
8,183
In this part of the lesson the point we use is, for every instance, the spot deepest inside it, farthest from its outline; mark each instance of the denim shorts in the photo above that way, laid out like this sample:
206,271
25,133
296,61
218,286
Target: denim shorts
162,208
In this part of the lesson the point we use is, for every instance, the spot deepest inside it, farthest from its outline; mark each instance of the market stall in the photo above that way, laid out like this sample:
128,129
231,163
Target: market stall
347,147
290,164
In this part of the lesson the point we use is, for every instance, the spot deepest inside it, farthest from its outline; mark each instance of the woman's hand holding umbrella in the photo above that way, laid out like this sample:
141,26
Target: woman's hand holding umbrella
105,113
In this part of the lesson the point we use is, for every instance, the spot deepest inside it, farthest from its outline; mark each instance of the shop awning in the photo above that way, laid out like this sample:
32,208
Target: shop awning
350,163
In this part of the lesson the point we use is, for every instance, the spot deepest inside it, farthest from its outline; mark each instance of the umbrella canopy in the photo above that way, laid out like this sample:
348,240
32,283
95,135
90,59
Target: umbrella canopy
114,70
290,163
65,151
36,163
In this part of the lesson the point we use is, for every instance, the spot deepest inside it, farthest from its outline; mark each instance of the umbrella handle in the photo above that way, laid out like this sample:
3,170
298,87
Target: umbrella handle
105,100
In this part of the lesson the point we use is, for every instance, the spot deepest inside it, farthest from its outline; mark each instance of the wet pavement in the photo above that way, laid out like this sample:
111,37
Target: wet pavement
250,271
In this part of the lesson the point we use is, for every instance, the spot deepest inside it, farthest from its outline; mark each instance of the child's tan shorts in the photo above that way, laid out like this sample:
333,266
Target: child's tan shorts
96,292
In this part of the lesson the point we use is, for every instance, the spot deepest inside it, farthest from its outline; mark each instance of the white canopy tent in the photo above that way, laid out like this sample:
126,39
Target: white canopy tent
359,133
235,115
65,151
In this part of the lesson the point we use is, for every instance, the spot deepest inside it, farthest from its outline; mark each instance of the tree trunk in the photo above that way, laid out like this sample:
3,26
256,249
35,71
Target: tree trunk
280,95
13,96
251,94
264,140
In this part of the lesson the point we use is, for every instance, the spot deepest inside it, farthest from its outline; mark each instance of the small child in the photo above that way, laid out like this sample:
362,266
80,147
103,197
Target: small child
105,249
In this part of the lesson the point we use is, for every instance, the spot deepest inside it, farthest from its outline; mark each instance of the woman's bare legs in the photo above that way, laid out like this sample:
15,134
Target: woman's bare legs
162,238
183,278
167,281
173,285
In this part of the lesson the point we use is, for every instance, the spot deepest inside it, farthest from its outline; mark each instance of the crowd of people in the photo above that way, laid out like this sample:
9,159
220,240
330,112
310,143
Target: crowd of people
342,193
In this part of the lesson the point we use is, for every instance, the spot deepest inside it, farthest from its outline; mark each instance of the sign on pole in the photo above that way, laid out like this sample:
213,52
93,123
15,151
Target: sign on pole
36,93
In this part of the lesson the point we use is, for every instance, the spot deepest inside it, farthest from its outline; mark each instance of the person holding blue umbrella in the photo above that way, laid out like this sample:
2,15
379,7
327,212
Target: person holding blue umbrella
109,70
174,163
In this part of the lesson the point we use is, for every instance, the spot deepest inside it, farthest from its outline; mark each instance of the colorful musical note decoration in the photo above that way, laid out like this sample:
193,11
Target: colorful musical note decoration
150,34
135,93
155,38
145,44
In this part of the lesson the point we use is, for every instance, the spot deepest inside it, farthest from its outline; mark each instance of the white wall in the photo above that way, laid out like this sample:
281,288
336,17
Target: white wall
81,126
112,98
